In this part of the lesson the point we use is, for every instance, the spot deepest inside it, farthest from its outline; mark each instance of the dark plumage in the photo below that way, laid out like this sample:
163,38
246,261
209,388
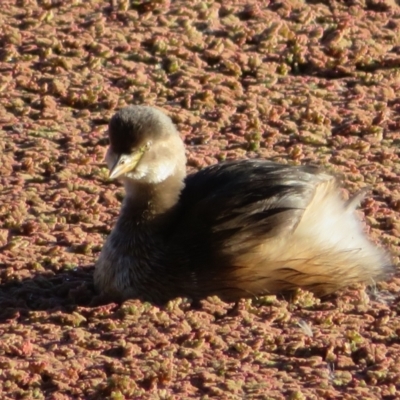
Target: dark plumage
235,229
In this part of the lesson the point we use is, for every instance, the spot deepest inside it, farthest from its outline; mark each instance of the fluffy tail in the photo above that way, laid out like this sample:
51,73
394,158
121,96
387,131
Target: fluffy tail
327,251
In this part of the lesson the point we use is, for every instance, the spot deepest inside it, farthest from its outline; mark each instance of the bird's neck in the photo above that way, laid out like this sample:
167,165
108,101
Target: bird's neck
145,202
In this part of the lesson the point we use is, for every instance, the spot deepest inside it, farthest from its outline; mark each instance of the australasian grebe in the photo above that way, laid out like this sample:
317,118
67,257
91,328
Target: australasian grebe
234,229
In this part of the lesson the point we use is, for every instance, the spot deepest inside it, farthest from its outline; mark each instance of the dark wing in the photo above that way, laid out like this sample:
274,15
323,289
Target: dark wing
228,208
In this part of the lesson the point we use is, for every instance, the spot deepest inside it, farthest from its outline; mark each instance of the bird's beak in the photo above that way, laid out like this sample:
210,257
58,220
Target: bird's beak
124,164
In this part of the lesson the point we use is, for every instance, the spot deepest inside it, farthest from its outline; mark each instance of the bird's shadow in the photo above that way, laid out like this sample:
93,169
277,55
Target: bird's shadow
68,290
63,291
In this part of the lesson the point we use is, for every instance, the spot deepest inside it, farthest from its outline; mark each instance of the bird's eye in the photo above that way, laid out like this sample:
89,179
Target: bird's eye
145,147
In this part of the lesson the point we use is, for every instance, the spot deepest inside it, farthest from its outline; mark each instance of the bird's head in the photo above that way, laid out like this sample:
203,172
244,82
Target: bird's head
144,146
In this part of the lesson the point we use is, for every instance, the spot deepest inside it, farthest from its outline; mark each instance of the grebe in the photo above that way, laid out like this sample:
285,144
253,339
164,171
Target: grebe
235,229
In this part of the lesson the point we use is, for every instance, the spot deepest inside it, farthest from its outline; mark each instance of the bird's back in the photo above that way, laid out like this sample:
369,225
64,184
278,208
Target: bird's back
248,228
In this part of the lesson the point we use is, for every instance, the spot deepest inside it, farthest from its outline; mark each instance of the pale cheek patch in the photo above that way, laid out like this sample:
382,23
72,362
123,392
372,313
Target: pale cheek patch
162,172
158,173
